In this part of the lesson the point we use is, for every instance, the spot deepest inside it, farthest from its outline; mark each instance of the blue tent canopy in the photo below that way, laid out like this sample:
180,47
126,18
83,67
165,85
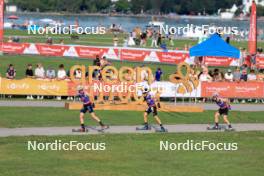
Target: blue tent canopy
215,46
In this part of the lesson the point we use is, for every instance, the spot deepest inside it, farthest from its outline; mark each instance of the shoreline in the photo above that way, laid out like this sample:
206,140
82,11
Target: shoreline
167,16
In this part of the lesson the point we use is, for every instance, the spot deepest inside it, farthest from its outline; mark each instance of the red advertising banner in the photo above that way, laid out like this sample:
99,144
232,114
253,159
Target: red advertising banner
218,61
90,52
51,50
1,25
172,57
233,90
134,55
15,48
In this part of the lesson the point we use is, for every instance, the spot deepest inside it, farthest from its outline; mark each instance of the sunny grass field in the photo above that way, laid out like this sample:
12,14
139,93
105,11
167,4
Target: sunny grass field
134,155
103,40
12,117
128,154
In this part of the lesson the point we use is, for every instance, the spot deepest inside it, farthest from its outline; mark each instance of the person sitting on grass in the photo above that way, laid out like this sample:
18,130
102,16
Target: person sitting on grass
29,71
40,74
29,74
61,74
11,72
50,73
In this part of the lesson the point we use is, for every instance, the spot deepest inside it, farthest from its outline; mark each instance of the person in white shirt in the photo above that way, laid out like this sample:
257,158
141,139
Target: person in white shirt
205,77
62,75
40,72
229,76
252,76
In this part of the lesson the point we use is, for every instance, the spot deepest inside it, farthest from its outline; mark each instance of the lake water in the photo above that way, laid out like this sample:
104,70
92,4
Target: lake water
128,23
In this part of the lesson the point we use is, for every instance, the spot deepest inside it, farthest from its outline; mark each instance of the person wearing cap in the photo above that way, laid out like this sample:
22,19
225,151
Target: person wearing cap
229,76
87,106
224,107
150,99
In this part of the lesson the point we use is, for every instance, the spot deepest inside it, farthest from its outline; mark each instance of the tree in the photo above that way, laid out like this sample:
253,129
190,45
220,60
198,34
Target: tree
122,6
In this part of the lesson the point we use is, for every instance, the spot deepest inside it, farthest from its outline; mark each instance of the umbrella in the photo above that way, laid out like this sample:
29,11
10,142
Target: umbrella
13,17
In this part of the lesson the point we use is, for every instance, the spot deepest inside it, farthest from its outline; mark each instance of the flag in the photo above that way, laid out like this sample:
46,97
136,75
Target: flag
252,38
1,25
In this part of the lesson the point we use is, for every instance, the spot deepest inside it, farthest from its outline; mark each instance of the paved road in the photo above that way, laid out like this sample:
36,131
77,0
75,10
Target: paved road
235,107
50,131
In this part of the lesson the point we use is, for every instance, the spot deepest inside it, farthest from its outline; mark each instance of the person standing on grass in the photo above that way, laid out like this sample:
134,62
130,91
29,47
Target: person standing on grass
88,106
158,74
154,39
224,107
115,40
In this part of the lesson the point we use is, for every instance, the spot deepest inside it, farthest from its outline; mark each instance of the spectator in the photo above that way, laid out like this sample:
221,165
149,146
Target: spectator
217,75
29,71
159,42
104,62
243,76
204,76
11,72
78,74
252,76
260,76
236,75
144,74
10,40
96,62
154,39
229,76
50,73
29,74
158,74
61,74
40,72
143,39
61,42
49,41
115,40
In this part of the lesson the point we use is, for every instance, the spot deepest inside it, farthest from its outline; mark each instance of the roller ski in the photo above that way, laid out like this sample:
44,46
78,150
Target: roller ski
214,128
160,130
100,129
80,130
144,128
228,129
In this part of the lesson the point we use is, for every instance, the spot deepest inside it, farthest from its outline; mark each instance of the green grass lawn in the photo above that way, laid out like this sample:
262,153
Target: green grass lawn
134,155
103,40
43,117
20,62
